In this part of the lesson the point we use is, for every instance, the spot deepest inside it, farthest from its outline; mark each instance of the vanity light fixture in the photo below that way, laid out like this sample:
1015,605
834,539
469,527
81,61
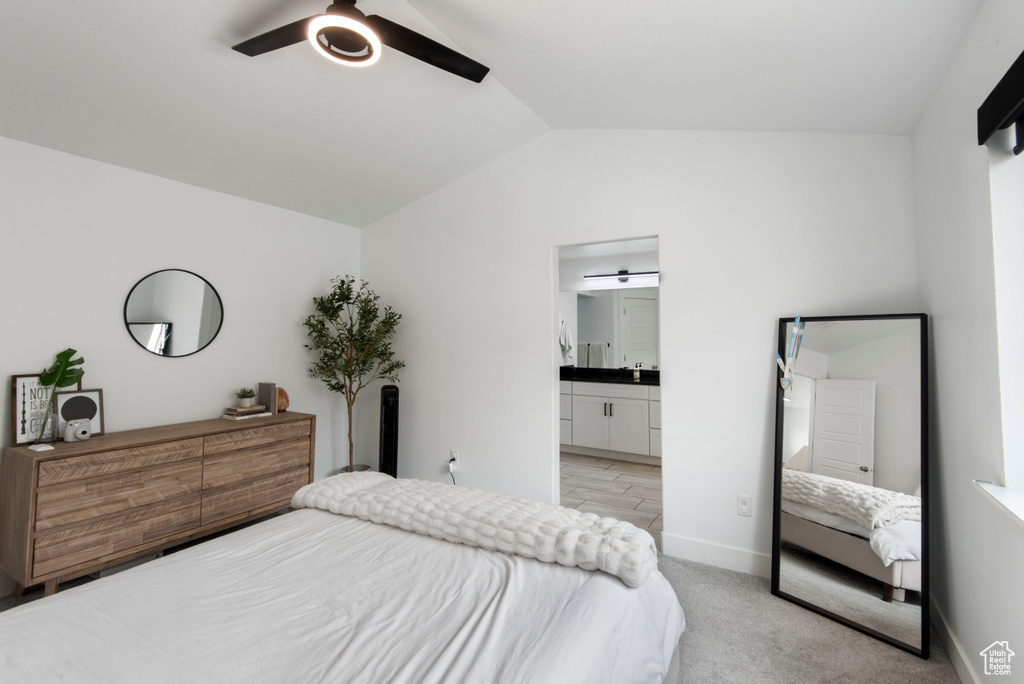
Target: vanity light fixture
344,40
623,275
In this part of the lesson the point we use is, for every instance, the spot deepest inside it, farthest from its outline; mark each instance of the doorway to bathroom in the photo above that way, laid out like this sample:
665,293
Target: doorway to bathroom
610,381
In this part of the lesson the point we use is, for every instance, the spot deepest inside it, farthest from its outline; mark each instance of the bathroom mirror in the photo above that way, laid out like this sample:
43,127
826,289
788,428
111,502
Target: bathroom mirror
173,313
850,536
618,328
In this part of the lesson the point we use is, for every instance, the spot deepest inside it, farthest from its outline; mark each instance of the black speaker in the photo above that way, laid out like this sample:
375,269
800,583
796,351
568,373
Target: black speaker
389,430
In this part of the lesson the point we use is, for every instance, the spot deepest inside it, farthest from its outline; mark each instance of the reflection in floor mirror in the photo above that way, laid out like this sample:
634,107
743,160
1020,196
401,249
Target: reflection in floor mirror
850,522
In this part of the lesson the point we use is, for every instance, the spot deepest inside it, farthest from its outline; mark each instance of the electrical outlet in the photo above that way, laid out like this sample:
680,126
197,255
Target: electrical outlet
743,505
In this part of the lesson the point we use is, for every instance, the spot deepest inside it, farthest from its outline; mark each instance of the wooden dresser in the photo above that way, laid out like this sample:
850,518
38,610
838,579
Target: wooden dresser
90,505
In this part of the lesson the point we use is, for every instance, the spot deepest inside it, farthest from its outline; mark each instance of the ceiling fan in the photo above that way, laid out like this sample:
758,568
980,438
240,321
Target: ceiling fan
346,35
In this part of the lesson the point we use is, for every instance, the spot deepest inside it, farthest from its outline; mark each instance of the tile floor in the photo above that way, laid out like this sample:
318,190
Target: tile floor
627,491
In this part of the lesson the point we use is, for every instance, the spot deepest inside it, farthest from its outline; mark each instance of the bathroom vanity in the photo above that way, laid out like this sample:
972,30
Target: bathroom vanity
607,412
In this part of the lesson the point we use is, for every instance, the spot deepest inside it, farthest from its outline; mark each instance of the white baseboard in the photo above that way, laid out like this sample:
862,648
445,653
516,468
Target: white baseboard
957,655
728,557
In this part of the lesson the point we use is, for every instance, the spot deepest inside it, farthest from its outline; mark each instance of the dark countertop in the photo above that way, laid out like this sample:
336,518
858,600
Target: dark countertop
622,376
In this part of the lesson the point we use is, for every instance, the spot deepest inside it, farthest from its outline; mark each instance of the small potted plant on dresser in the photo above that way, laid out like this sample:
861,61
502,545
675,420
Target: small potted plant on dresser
246,397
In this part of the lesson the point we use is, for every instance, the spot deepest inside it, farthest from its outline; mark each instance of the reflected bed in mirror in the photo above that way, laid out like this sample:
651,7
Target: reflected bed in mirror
850,521
173,313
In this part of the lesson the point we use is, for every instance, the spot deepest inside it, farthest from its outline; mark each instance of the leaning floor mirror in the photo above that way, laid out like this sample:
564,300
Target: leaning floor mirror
850,536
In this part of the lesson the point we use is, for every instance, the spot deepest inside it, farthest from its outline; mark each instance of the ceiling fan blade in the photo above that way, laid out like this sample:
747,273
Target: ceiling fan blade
289,34
427,50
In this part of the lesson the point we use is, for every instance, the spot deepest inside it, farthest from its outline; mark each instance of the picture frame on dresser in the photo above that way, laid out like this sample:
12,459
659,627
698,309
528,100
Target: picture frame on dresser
76,404
29,402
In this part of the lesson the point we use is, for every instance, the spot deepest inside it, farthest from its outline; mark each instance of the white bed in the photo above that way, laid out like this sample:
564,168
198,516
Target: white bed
890,553
311,596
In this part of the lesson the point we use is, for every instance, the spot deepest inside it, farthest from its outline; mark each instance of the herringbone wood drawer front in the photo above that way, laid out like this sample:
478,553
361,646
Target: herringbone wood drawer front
225,502
236,466
72,502
257,436
93,539
110,462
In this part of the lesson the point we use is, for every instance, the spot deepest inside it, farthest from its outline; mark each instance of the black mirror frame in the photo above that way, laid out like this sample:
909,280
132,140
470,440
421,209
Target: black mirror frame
180,270
923,651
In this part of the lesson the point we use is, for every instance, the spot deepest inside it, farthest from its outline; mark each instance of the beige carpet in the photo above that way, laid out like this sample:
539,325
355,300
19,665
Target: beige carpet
736,631
845,592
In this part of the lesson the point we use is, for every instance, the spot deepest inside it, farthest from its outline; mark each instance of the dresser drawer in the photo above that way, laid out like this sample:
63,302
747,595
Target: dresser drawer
120,460
263,492
258,436
96,539
72,502
235,466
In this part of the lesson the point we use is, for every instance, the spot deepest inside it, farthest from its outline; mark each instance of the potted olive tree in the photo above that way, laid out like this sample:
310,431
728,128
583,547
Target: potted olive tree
351,337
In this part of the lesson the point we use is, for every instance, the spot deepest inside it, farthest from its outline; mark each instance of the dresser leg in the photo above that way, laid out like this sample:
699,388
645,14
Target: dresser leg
19,590
50,588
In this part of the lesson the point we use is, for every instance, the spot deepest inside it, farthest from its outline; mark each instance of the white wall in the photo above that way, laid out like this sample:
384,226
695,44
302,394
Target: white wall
894,364
751,227
77,235
977,550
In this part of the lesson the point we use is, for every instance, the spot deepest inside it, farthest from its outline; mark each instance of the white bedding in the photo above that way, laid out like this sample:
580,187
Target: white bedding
489,520
869,506
314,597
901,541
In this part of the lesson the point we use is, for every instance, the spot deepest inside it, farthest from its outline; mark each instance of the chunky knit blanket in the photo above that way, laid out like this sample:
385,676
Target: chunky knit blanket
870,506
488,520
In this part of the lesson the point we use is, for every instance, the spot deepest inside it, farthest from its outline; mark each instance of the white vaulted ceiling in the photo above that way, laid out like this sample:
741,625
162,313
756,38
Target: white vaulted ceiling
154,86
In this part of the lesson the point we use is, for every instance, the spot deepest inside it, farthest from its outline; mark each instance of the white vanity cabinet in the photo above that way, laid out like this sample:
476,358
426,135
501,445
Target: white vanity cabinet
611,416
590,422
564,412
656,421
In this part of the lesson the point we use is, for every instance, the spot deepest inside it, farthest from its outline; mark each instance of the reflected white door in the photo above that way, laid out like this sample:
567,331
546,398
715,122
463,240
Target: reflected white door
638,331
844,430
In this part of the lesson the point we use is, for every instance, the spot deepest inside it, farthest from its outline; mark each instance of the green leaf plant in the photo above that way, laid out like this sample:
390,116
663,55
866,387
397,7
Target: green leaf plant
351,336
63,373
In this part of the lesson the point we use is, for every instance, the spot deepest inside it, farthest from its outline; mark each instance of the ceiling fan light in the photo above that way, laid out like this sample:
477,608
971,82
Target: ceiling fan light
318,24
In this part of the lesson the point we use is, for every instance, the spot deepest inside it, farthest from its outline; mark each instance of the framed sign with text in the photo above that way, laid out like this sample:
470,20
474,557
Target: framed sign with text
30,408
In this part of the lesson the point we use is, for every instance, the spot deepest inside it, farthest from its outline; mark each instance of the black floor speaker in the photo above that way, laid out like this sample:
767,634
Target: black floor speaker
389,430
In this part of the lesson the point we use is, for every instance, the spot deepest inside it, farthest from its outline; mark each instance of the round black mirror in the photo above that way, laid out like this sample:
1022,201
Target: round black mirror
173,313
